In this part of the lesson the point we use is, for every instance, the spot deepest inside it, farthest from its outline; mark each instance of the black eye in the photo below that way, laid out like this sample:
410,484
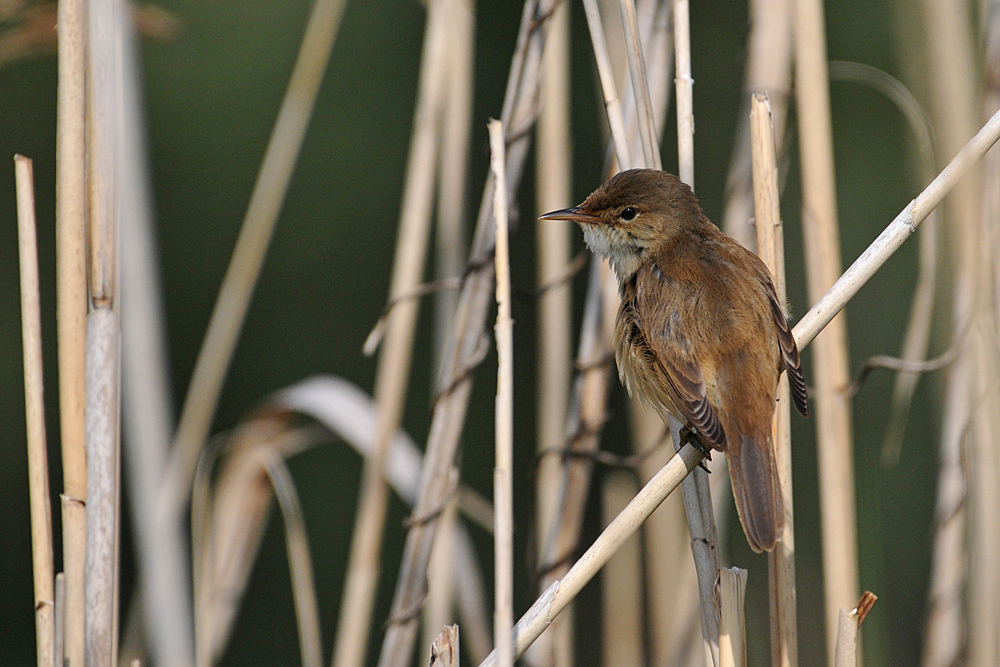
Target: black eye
629,213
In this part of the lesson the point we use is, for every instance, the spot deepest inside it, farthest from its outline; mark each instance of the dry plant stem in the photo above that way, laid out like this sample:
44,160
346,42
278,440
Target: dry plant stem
622,585
768,71
685,97
147,408
59,625
299,561
637,69
34,409
770,247
848,627
467,340
394,361
554,162
698,508
900,229
831,362
732,627
561,592
71,304
611,102
950,634
445,649
450,232
103,368
697,493
503,482
245,265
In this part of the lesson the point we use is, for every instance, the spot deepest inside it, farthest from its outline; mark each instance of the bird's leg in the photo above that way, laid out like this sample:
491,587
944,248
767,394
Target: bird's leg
689,435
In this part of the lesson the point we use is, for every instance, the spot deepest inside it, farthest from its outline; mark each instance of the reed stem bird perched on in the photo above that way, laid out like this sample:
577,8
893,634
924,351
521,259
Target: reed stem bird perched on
700,333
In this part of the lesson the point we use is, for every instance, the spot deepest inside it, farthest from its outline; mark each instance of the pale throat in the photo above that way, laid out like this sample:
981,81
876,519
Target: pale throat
624,252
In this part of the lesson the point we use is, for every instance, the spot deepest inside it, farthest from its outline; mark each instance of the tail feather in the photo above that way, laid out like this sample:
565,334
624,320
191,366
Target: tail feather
754,475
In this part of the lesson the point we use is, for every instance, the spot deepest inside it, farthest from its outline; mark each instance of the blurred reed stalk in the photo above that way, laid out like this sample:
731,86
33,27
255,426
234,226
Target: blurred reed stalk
147,405
732,625
553,169
71,306
393,371
34,417
771,249
953,93
103,361
830,360
451,252
233,300
622,582
467,345
503,473
769,72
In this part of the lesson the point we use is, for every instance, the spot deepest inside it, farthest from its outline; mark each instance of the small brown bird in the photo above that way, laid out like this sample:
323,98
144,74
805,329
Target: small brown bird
700,334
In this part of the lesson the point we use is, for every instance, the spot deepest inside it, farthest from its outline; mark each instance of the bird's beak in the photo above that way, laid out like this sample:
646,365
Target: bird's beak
575,214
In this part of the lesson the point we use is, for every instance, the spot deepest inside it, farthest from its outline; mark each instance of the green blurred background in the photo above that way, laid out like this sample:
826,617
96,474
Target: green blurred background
211,98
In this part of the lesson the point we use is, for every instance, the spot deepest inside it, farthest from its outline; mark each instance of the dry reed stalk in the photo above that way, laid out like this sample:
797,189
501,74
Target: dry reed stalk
467,343
831,361
612,104
71,305
557,596
103,363
918,330
299,561
503,481
553,169
438,612
59,622
147,406
622,584
848,627
685,95
450,234
771,249
768,71
233,300
445,649
34,409
732,626
392,375
637,70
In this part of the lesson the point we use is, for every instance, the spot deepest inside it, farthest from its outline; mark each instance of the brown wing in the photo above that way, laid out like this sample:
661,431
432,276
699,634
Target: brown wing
682,374
789,353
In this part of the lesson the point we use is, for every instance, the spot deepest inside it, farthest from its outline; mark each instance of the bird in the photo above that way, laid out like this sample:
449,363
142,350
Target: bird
700,334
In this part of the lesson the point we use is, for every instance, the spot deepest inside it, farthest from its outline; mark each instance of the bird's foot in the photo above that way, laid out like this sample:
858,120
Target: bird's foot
689,435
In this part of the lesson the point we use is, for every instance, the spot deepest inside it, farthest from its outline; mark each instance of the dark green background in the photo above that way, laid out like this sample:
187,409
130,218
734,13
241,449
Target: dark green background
211,99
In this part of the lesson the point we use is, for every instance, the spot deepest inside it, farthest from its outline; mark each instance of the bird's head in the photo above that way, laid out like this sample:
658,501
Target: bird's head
632,215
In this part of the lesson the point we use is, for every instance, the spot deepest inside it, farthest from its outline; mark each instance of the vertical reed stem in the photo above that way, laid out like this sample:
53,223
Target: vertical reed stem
830,365
771,248
34,408
71,305
503,483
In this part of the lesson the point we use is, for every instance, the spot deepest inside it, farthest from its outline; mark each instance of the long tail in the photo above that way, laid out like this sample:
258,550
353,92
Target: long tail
754,474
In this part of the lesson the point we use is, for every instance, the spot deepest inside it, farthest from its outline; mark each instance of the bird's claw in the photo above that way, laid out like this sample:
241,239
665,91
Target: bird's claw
689,435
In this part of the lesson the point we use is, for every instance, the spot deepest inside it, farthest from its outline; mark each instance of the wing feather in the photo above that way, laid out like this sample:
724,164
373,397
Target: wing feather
789,353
